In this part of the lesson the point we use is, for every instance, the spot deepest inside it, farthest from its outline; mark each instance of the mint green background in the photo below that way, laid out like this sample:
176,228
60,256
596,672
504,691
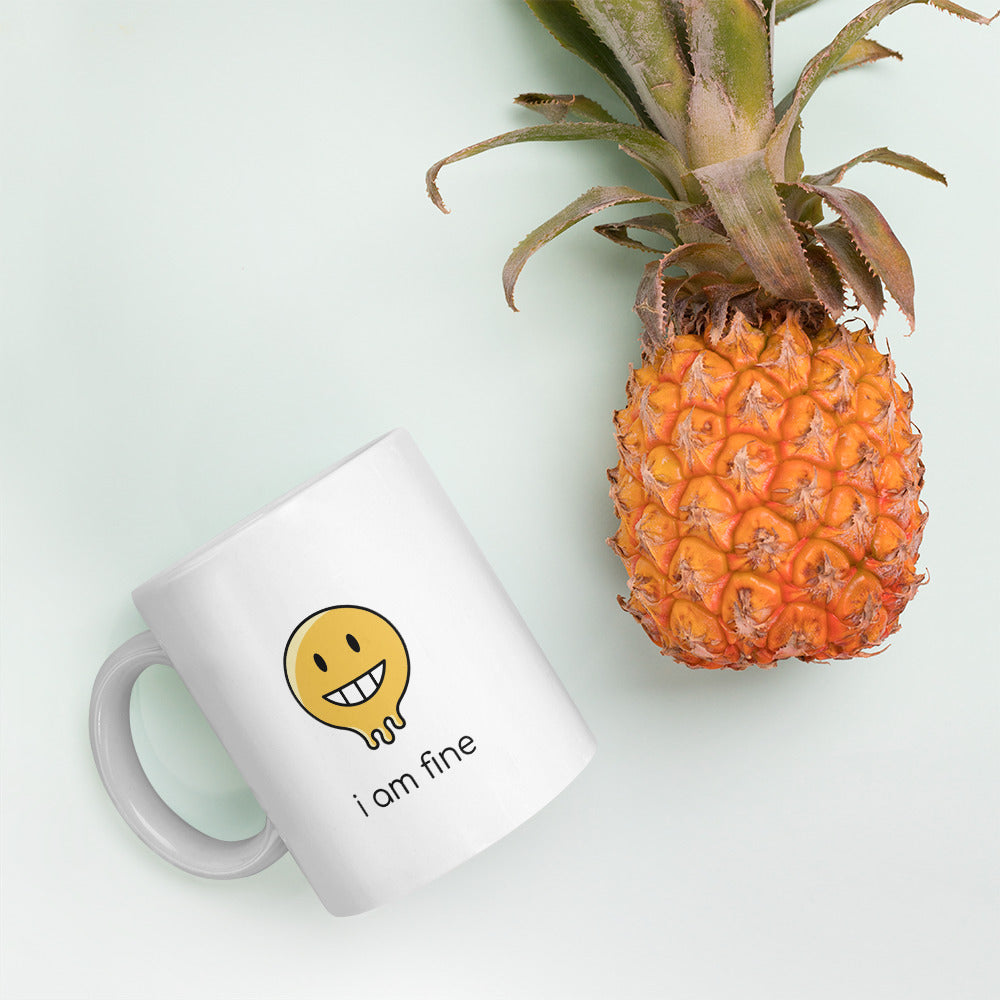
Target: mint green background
221,273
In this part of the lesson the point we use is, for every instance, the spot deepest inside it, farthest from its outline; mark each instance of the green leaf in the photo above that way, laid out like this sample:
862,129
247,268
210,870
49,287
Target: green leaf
862,52
653,152
730,110
877,243
673,10
794,164
744,198
880,155
853,268
787,8
651,305
559,107
700,224
594,200
569,27
826,278
693,258
659,224
643,39
827,61
801,206
663,300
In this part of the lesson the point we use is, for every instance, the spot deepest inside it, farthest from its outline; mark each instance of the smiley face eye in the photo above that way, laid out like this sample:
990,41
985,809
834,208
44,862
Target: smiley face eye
353,643
319,661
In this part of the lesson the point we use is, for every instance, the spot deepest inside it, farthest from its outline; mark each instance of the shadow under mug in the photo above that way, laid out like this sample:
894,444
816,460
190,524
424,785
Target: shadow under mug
360,662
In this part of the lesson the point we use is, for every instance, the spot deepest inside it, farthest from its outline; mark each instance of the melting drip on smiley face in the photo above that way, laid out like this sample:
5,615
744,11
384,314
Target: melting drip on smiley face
348,667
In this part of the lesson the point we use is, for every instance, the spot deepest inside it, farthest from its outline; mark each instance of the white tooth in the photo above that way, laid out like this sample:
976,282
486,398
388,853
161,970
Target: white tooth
359,690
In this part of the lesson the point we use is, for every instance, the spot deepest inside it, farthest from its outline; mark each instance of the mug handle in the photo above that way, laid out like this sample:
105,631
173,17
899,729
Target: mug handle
152,820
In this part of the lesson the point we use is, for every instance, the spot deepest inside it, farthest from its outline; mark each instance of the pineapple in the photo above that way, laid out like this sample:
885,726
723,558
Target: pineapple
769,474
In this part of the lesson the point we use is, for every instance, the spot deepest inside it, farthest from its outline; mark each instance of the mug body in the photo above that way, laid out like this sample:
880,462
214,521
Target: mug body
369,676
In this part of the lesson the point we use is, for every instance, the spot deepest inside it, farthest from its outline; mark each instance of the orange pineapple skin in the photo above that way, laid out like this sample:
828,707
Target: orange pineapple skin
768,493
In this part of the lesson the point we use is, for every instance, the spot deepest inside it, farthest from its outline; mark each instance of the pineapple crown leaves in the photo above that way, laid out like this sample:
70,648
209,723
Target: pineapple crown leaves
742,218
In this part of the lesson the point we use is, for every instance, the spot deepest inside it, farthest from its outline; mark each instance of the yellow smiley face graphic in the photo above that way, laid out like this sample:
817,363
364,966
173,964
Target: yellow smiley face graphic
348,667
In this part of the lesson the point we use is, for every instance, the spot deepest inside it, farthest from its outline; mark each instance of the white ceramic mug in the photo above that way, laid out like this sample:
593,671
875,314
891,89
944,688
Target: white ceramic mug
374,685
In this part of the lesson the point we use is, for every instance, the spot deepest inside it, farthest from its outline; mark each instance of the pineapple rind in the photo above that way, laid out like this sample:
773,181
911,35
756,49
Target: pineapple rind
768,494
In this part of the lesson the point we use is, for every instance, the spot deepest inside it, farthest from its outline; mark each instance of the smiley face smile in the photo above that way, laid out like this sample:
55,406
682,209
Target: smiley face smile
359,690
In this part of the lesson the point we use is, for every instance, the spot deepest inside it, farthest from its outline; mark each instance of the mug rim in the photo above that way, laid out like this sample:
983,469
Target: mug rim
209,548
